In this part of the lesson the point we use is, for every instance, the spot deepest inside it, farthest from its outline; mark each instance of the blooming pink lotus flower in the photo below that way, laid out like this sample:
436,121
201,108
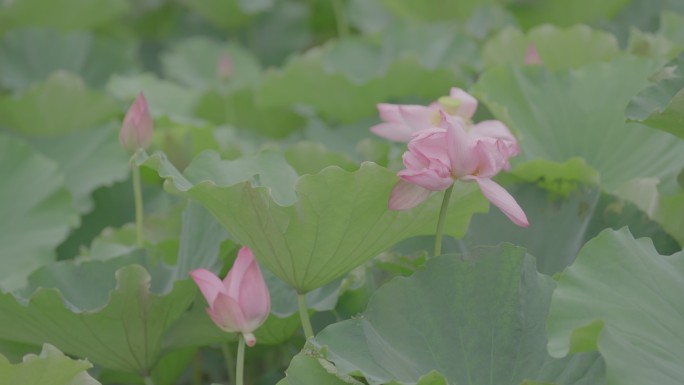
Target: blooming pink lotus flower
239,303
137,127
402,121
436,157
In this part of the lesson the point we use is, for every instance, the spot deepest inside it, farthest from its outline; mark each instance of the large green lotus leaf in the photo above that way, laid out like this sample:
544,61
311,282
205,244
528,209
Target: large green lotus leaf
65,15
194,63
244,111
432,10
50,367
227,13
476,320
37,211
60,105
561,225
165,98
31,55
112,312
312,157
558,48
623,299
564,13
359,81
309,369
290,21
96,147
325,226
580,113
662,104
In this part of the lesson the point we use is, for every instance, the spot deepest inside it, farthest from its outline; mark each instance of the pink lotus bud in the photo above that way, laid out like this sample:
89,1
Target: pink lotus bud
239,303
224,67
137,127
532,56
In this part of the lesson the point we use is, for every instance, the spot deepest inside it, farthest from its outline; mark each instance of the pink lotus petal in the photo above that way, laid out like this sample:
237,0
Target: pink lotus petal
393,131
503,200
459,147
406,196
254,297
234,280
532,55
418,117
209,284
226,313
468,104
428,178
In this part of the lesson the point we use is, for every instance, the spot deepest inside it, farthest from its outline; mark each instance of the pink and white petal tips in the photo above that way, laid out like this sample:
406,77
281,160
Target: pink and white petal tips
253,294
503,200
467,103
224,67
137,127
400,122
532,55
405,196
209,284
459,146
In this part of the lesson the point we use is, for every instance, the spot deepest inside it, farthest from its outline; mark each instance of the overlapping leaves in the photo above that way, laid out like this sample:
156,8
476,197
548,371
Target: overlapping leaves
442,319
623,299
316,228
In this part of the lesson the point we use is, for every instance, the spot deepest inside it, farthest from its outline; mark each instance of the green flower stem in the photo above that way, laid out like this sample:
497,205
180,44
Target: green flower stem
240,365
230,360
197,369
304,316
340,18
148,380
440,223
137,195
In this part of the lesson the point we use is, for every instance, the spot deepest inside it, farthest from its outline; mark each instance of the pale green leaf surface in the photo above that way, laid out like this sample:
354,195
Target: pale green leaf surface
635,296
60,105
339,220
89,159
116,319
580,113
193,63
432,10
442,319
564,13
165,98
50,367
558,48
29,56
662,105
226,13
307,80
64,15
243,110
37,211
312,157
561,225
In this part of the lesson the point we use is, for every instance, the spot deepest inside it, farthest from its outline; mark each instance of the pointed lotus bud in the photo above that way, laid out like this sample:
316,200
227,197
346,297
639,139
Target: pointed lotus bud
239,303
137,127
224,67
532,56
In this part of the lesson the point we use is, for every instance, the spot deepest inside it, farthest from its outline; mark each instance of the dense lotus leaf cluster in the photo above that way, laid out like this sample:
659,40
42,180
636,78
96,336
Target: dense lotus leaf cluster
240,124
